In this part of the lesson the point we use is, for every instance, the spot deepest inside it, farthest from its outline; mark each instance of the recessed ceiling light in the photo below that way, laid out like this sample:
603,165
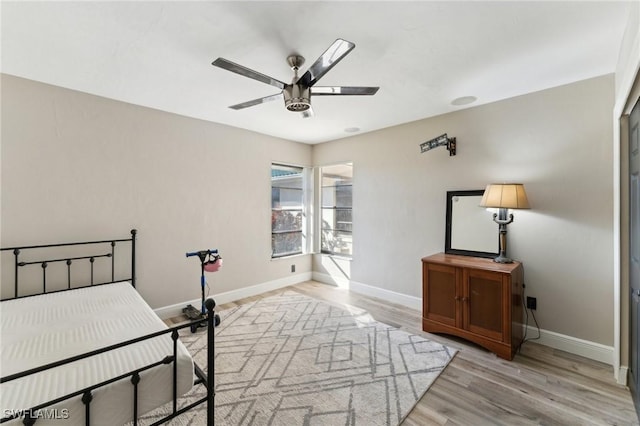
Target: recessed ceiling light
352,129
464,100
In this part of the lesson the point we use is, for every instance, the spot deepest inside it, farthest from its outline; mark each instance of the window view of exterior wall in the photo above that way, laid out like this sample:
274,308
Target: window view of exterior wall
336,226
287,210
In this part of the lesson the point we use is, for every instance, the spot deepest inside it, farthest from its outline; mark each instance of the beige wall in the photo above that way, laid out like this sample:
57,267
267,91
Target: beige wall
557,142
78,167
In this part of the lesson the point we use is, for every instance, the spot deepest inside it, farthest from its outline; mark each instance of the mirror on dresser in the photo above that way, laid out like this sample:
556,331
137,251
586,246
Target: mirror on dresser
470,229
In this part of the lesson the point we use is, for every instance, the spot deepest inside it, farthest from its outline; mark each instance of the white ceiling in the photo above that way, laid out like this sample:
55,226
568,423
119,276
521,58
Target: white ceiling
422,54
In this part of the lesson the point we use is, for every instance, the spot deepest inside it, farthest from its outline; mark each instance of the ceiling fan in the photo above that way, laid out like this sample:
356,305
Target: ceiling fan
297,95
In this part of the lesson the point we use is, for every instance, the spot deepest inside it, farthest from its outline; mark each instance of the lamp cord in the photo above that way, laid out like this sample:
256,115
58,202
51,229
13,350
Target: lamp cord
526,311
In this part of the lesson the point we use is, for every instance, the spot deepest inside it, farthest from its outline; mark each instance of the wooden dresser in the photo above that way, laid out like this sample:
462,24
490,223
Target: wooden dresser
474,298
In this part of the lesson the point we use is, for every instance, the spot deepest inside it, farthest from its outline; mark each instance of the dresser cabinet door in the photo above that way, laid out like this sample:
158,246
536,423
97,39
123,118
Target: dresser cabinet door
441,294
484,309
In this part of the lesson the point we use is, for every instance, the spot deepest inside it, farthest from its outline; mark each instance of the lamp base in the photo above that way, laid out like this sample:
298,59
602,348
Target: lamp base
503,259
502,221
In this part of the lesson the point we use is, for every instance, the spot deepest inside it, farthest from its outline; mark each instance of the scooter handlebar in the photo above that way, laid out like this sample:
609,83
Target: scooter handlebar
202,252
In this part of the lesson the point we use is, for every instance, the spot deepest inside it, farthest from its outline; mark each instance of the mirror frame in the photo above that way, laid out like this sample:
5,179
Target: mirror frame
447,239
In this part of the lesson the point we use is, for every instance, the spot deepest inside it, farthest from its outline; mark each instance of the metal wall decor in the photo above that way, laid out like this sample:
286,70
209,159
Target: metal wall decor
442,140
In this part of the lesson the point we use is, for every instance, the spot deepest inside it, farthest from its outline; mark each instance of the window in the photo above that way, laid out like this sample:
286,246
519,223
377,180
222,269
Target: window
287,210
337,194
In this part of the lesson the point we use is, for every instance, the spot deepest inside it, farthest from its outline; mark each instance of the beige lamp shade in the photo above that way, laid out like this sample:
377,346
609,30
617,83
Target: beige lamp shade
505,196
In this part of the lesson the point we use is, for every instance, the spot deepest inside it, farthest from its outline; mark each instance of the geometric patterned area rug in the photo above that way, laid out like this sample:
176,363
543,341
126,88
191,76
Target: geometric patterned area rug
294,360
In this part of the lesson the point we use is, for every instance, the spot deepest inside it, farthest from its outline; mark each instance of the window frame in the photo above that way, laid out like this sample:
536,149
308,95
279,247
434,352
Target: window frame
302,209
335,208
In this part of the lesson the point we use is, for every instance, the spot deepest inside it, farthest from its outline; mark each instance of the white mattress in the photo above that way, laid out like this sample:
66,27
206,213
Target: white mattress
43,329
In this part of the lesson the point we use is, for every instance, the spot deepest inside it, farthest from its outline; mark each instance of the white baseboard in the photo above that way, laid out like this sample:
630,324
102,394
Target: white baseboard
388,295
230,296
574,345
380,293
330,279
585,348
171,311
623,373
253,290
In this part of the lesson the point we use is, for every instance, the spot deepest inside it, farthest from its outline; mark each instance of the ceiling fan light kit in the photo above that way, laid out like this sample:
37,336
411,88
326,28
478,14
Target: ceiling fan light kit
296,98
297,95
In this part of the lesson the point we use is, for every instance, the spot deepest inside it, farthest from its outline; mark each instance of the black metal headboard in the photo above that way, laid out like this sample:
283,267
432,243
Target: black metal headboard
111,254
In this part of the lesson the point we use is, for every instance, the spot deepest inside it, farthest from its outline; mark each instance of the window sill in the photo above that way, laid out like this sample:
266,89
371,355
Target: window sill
290,256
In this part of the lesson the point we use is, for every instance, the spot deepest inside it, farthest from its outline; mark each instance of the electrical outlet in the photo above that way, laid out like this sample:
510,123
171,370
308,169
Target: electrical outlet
532,303
293,268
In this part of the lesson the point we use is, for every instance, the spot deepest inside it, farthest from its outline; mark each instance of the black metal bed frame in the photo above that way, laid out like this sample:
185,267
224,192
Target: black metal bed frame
133,376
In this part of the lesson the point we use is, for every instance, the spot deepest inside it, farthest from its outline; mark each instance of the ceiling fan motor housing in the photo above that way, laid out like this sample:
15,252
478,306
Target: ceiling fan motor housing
296,98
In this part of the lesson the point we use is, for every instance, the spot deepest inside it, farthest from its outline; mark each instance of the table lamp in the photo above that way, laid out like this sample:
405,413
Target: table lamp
504,196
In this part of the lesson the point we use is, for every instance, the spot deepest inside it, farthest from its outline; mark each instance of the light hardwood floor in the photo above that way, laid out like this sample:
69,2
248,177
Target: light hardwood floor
541,386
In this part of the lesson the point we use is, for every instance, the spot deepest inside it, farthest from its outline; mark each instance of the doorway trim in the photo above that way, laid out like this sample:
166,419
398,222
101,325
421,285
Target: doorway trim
624,100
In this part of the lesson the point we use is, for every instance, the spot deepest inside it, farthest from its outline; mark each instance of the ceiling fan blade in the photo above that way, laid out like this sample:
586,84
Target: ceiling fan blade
326,61
256,101
239,69
343,90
